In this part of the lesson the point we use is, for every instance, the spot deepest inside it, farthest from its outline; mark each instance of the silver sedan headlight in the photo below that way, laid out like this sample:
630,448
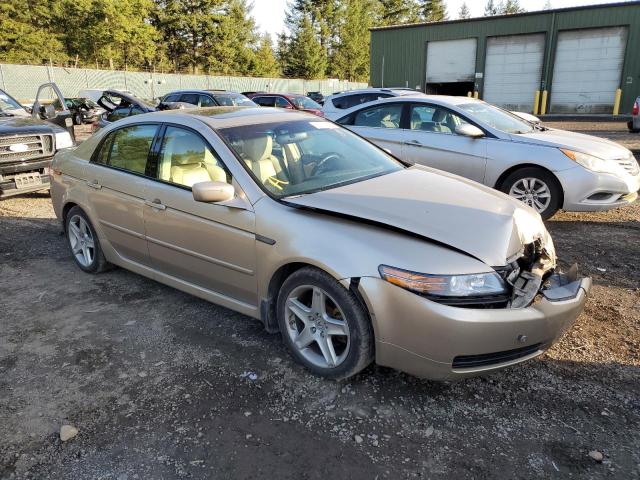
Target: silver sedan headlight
473,285
595,164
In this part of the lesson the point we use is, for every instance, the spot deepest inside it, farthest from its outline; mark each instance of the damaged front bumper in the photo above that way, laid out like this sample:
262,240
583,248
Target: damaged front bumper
432,340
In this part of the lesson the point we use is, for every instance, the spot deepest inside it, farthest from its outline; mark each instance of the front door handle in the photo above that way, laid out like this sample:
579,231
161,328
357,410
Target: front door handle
413,142
94,184
155,203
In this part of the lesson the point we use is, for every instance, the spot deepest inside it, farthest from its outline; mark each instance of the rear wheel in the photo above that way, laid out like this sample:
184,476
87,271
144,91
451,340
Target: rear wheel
631,127
536,188
83,242
324,325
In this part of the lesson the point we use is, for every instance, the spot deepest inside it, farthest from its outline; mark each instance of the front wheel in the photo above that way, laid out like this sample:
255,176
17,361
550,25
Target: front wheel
536,188
324,325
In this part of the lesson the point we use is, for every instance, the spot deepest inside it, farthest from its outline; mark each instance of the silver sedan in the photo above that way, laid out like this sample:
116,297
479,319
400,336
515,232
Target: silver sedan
548,169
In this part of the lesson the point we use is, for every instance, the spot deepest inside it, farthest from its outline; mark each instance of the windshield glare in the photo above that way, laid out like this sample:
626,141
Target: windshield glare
8,103
234,100
497,118
306,156
305,102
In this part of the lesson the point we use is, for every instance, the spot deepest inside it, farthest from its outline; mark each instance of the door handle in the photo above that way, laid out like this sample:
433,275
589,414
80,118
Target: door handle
94,184
155,203
413,142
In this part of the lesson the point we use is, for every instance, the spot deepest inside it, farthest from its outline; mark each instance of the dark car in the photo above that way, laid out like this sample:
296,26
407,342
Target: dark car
119,105
291,101
205,98
83,110
634,123
28,141
316,97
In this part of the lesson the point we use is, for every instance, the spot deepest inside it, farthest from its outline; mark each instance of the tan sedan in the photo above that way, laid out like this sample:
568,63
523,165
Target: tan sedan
351,255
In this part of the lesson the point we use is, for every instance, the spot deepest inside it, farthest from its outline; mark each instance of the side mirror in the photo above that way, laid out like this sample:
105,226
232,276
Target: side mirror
212,192
48,111
469,130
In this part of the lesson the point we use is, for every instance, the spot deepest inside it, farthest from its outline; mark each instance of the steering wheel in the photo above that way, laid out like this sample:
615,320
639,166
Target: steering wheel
322,163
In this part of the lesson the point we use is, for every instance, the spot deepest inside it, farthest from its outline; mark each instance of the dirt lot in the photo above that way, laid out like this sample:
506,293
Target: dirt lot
162,385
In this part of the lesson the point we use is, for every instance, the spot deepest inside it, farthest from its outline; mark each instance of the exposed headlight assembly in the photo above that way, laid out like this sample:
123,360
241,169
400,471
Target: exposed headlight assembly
593,163
63,140
445,286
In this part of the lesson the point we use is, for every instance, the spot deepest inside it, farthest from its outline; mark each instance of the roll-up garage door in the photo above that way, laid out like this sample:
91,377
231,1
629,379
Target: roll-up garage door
587,70
513,70
451,61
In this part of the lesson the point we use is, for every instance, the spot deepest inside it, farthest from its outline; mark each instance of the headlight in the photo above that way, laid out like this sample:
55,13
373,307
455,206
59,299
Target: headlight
594,164
63,140
477,284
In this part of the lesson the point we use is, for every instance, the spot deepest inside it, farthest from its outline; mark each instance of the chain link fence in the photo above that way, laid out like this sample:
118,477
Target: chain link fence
22,82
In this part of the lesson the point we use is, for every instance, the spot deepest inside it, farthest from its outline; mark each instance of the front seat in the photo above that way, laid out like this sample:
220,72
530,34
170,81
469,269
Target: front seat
257,156
416,121
187,161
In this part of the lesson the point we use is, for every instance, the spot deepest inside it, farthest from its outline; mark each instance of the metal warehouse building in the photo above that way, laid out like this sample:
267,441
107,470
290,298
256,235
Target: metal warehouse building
571,60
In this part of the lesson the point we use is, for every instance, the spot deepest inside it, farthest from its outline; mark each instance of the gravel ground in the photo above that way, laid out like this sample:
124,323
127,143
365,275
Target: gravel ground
162,385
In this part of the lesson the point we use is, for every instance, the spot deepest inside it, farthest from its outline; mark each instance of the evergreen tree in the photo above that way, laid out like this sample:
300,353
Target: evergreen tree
434,10
265,64
491,9
306,58
397,12
464,11
351,59
512,6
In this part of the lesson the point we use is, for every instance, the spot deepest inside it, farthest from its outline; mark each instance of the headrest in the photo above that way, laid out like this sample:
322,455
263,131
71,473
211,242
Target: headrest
439,115
185,150
258,148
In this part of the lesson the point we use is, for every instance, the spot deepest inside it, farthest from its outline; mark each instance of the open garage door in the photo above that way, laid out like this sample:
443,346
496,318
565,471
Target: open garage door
451,66
587,70
513,70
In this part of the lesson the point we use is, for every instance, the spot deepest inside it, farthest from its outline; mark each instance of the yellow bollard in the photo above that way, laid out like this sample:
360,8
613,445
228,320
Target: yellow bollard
536,102
616,102
476,94
543,104
469,94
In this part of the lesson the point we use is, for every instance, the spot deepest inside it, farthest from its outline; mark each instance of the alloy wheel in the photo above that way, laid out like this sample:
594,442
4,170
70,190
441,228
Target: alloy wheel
317,326
533,192
81,241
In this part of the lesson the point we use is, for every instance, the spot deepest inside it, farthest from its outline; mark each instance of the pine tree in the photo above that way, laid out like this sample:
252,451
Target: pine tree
306,58
491,9
511,7
265,64
351,58
397,12
464,11
434,10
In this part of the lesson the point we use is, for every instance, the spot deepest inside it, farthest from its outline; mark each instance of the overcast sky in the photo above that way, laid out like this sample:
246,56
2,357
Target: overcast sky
269,14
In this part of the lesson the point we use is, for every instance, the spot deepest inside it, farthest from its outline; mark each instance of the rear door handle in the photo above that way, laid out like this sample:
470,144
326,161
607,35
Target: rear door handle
155,203
94,184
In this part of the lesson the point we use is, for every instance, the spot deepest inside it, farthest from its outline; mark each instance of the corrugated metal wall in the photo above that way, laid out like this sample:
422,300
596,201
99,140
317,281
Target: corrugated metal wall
22,81
398,55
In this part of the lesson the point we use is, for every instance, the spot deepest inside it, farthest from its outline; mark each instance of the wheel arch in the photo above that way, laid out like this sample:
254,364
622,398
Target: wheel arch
65,211
503,176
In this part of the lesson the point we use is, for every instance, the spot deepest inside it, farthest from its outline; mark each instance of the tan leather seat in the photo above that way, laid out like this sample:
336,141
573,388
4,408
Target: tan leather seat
187,161
257,156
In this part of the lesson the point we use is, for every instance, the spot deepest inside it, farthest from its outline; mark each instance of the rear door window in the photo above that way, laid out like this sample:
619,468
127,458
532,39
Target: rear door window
381,116
128,148
191,98
207,101
265,101
282,102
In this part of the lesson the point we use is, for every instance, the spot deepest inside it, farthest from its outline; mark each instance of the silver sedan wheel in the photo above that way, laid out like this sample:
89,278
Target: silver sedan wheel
317,326
81,241
532,191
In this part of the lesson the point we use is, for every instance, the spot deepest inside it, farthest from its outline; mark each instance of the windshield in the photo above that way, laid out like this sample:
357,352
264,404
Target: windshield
306,156
305,102
497,118
8,103
234,100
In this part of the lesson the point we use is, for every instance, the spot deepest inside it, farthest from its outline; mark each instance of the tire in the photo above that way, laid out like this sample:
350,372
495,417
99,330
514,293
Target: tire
77,119
540,182
631,129
86,250
352,340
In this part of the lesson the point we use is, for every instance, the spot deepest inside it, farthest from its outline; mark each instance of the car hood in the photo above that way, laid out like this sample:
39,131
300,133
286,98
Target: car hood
600,147
21,125
444,208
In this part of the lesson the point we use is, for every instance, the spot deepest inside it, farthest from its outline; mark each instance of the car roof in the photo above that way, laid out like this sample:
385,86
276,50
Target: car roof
197,90
224,117
421,97
394,91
